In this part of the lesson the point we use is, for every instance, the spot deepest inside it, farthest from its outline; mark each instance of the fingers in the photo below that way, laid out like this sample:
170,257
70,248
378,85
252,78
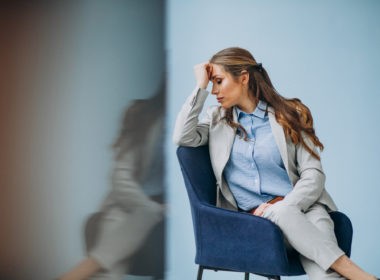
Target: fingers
261,209
209,70
202,72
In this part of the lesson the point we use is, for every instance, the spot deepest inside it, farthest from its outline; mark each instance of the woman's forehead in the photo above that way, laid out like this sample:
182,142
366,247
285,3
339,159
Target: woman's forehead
217,70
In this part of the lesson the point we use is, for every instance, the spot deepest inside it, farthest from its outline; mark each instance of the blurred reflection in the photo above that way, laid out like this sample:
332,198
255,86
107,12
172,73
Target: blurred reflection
68,70
127,235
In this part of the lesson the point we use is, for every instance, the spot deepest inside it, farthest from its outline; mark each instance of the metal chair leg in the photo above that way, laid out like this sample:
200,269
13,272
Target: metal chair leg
246,276
200,272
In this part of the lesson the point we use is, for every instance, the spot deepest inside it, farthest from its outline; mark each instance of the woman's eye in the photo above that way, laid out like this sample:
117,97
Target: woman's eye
218,81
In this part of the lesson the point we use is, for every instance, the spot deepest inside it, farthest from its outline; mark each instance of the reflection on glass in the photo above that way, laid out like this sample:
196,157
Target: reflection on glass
127,235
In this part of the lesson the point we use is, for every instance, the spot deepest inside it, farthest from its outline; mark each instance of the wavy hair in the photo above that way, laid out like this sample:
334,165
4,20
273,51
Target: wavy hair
294,116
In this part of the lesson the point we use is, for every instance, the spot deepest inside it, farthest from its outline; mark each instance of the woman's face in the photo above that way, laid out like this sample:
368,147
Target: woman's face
228,90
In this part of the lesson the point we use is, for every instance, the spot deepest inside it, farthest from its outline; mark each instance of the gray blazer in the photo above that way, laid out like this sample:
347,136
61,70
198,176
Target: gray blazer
305,171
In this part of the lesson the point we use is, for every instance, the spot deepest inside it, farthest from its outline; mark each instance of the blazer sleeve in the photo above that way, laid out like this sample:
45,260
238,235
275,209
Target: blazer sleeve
311,183
188,130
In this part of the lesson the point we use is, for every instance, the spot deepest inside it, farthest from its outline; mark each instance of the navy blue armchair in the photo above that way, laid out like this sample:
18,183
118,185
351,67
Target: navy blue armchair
237,241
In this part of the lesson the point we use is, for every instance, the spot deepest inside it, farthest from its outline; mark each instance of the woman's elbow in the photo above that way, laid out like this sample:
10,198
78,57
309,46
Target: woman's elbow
187,141
177,140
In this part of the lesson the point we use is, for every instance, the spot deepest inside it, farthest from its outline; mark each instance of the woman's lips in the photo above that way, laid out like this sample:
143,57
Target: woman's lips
220,99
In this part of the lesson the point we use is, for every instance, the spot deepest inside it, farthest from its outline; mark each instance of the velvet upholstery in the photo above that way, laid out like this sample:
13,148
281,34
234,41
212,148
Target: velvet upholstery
230,240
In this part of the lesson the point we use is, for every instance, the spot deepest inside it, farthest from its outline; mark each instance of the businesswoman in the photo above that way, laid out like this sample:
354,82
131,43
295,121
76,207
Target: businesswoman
134,205
265,156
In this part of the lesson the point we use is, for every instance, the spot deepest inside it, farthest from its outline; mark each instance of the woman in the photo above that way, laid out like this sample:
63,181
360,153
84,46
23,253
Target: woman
265,156
135,203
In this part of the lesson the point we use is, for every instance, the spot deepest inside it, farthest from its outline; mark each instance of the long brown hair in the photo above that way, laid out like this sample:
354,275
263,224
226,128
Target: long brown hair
294,116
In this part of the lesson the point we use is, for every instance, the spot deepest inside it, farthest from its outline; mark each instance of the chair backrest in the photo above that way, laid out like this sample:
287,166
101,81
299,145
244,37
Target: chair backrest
198,174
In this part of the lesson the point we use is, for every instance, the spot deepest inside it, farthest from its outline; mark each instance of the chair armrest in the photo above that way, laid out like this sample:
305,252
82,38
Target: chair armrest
240,240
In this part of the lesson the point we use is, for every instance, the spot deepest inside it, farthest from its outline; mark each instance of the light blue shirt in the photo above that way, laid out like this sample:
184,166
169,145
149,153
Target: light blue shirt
255,171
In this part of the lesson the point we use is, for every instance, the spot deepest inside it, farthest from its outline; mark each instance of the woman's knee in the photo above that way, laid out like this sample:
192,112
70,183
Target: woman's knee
319,217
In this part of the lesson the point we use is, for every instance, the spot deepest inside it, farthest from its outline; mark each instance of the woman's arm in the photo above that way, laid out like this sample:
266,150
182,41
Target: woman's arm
188,130
311,183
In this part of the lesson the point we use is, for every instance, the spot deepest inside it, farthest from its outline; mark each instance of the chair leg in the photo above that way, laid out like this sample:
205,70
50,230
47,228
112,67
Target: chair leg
200,272
246,276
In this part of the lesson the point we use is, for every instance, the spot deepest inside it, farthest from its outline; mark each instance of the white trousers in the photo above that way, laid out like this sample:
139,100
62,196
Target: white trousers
311,233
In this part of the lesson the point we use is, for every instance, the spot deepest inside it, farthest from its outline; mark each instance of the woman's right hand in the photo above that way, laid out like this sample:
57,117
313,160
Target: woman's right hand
202,72
261,209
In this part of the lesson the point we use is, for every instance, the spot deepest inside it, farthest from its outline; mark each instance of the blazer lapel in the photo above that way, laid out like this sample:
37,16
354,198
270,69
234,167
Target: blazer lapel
279,136
230,137
222,144
227,137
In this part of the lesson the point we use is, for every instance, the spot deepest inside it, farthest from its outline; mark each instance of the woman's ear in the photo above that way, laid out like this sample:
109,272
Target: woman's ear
244,77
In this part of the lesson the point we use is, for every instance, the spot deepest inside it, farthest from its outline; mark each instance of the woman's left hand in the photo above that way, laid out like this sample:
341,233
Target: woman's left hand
261,209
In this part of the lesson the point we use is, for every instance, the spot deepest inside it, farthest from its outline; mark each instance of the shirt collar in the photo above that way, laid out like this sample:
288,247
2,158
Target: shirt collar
260,110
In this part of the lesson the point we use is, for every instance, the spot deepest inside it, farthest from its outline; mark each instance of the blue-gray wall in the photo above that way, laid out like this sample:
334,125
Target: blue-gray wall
324,52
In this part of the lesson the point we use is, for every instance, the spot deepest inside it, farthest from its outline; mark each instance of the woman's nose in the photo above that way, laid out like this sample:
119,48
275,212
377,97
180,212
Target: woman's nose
214,90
